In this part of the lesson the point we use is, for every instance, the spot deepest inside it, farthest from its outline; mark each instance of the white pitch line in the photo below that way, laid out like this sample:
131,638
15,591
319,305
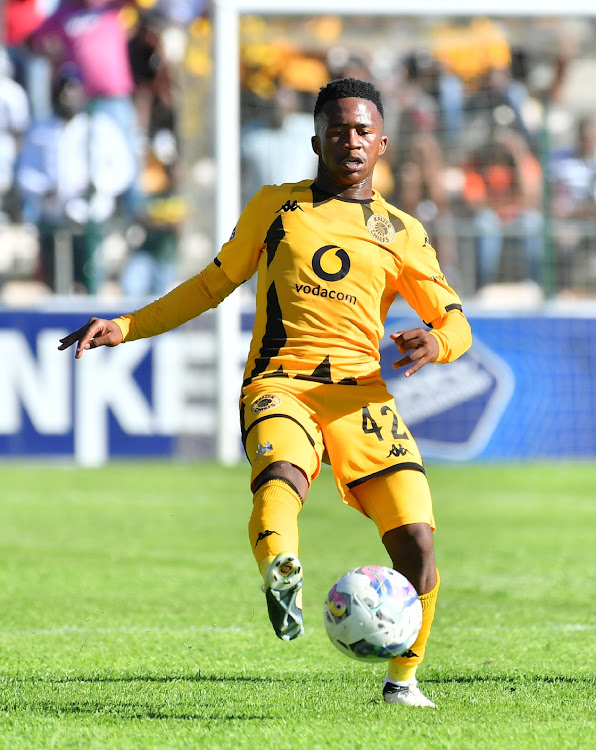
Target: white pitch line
534,628
191,629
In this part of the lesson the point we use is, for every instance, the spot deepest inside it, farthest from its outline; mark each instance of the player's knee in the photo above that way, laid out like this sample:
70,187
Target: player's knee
415,536
286,472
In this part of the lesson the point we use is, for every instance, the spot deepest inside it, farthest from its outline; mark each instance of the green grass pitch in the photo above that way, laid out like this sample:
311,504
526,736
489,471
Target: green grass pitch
131,615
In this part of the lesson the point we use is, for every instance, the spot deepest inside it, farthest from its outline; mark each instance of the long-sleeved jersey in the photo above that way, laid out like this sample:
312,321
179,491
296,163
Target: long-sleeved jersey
328,270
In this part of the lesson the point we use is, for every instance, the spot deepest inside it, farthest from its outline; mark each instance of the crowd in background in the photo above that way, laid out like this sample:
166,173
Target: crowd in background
88,118
102,136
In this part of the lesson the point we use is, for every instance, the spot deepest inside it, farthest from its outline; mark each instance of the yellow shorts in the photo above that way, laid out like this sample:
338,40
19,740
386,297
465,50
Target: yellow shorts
355,428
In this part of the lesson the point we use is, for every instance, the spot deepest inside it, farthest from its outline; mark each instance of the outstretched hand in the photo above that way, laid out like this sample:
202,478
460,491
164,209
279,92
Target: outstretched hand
420,346
96,332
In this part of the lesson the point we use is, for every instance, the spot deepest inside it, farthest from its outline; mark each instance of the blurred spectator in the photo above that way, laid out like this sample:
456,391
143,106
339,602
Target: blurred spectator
503,191
153,91
470,48
421,191
469,53
278,150
92,36
575,175
71,169
419,110
33,71
574,205
14,120
496,105
152,266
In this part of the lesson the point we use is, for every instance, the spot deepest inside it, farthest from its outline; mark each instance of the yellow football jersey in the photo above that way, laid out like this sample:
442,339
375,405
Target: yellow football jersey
328,270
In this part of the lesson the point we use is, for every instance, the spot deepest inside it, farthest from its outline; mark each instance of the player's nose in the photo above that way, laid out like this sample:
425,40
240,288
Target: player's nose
352,140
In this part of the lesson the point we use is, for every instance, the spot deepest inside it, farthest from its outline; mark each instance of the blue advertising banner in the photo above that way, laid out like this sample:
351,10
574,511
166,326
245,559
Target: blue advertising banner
130,401
526,390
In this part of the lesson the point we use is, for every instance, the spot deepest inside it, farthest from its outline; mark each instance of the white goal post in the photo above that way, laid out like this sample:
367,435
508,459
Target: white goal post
226,14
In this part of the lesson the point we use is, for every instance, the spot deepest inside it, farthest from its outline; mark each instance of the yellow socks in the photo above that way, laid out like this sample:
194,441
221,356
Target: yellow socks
273,525
403,668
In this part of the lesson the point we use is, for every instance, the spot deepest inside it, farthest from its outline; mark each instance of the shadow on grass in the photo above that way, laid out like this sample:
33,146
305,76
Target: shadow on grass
49,698
46,695
511,680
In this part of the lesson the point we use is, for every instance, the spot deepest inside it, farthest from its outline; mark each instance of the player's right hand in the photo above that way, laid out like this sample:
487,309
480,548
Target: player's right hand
96,332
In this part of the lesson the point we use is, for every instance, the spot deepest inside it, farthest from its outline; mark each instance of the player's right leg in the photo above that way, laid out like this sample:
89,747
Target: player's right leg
284,448
379,471
400,505
273,534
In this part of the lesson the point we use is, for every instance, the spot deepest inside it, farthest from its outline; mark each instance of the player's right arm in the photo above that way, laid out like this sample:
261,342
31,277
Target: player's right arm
189,300
236,262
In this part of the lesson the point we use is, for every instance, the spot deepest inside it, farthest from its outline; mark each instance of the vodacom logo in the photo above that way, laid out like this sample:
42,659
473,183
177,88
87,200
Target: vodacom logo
340,254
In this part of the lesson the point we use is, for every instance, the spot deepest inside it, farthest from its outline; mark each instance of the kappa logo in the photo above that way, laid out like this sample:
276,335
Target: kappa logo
290,206
269,401
264,534
381,229
262,449
409,654
397,451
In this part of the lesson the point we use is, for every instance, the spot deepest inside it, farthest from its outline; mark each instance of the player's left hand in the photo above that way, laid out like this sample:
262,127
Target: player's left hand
420,346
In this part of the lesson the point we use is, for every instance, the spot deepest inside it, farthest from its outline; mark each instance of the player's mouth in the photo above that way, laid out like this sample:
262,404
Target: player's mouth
352,163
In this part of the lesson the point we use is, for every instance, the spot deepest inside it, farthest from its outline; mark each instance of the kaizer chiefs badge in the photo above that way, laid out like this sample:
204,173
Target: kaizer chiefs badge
381,229
270,401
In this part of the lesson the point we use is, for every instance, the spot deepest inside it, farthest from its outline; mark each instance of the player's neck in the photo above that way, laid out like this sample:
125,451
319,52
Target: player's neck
360,191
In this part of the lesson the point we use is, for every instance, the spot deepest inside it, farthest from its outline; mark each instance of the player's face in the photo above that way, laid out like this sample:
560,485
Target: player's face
349,139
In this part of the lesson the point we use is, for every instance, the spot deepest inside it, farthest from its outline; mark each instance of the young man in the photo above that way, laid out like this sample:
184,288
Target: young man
331,256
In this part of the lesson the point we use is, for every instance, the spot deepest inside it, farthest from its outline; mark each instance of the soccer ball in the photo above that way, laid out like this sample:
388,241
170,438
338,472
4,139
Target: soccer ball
372,613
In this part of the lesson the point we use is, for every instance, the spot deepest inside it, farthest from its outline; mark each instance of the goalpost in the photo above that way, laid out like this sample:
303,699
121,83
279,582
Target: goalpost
226,14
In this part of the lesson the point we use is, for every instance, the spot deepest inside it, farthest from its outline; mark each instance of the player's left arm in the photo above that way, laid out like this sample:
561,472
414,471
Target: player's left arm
449,338
425,288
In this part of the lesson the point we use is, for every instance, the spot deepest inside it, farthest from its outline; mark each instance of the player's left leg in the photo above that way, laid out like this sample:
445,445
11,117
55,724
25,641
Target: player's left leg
400,504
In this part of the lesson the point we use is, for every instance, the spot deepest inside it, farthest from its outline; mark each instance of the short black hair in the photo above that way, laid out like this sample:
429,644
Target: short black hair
345,88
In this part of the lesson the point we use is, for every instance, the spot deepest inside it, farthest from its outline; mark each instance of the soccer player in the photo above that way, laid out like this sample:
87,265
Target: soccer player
330,257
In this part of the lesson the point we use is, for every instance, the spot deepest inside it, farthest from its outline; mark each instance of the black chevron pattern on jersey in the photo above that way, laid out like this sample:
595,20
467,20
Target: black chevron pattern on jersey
398,224
367,211
279,373
319,196
321,373
275,335
275,235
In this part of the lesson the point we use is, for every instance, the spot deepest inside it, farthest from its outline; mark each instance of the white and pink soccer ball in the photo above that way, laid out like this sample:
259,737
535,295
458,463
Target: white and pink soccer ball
372,613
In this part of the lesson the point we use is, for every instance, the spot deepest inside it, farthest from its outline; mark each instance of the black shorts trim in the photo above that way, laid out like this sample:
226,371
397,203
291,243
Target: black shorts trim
277,416
388,470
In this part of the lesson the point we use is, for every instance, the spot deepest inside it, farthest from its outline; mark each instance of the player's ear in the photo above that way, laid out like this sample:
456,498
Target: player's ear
316,144
383,145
